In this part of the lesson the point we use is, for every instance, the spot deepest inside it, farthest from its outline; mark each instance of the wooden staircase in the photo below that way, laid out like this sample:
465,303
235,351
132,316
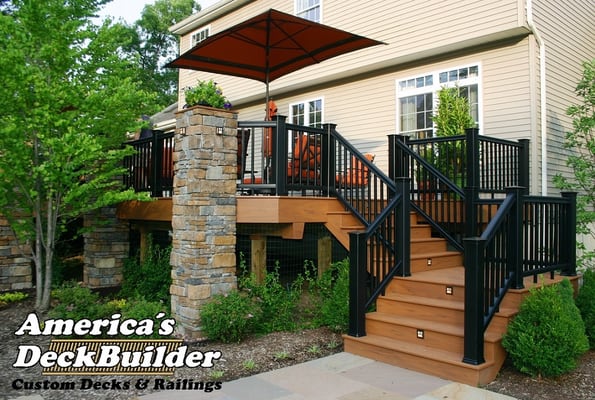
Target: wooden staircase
418,323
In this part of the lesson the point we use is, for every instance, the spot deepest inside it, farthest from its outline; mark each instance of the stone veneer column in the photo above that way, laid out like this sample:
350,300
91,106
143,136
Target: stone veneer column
107,245
204,213
15,270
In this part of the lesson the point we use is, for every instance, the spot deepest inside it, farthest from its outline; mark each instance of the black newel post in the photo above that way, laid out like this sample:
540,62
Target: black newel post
473,183
329,157
398,160
402,226
515,237
569,236
523,167
279,161
474,275
357,283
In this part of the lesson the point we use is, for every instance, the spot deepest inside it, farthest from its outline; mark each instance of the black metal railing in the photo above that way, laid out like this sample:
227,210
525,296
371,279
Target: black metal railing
454,177
528,236
382,250
151,168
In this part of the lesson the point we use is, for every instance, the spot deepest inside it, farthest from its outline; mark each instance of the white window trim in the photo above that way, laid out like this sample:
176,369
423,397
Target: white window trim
436,86
295,10
202,28
305,102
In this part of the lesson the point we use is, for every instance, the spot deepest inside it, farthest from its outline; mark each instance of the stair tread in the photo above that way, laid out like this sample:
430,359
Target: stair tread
446,276
434,254
436,326
420,350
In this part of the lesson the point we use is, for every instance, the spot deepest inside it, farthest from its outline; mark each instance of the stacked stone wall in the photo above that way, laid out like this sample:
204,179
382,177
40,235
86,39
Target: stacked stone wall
106,247
15,270
204,213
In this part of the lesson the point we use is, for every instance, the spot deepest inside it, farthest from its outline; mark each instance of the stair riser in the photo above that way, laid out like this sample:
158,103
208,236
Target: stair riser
421,311
432,339
468,375
431,246
445,261
425,289
420,232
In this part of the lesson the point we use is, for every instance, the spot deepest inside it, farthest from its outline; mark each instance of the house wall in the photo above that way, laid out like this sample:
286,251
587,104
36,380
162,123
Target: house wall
359,89
567,29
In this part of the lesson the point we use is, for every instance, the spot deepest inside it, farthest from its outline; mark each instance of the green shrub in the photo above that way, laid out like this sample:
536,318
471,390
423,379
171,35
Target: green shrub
585,301
548,335
279,304
12,297
140,309
230,317
77,302
149,279
334,295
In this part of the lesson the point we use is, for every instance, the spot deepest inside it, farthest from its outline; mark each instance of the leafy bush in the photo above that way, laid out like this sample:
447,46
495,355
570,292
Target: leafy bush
278,303
149,279
548,335
585,301
334,295
12,297
230,317
139,309
78,302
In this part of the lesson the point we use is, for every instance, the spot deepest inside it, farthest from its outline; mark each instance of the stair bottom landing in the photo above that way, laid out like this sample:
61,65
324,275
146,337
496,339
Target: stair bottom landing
436,362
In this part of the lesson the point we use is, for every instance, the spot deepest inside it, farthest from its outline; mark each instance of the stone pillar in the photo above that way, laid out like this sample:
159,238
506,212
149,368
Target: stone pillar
204,213
107,245
15,270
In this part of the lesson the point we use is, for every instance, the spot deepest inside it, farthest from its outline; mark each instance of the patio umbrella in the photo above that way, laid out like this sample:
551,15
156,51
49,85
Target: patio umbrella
268,46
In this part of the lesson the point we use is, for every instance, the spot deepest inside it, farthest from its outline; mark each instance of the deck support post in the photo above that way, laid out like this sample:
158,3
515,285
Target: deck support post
258,257
325,254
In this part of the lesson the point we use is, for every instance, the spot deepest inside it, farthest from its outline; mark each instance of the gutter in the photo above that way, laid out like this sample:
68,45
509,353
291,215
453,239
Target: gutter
543,95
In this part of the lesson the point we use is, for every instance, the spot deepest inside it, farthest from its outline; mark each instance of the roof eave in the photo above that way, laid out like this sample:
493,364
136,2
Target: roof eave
207,15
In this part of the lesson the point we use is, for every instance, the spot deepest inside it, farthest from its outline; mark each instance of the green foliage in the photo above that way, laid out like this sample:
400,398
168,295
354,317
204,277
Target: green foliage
271,306
334,296
12,297
581,142
452,116
153,45
139,309
78,302
68,97
548,335
230,317
585,301
149,279
278,304
206,93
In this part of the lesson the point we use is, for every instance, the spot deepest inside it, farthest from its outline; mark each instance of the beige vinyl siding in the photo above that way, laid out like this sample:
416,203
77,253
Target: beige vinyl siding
568,31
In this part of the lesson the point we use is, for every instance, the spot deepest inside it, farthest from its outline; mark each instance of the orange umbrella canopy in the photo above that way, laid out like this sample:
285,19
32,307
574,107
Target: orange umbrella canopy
268,46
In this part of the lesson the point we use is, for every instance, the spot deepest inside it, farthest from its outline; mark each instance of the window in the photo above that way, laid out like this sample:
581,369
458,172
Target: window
417,95
308,113
308,9
200,35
